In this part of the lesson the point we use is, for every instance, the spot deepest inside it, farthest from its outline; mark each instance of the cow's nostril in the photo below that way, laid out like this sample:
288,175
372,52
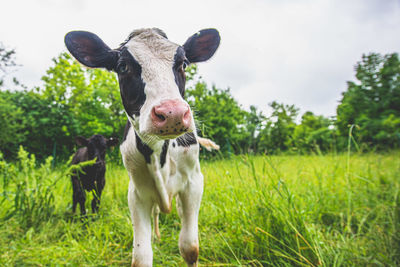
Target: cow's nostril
158,115
161,117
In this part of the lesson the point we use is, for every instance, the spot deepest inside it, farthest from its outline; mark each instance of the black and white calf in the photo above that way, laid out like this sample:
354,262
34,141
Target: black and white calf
92,178
160,148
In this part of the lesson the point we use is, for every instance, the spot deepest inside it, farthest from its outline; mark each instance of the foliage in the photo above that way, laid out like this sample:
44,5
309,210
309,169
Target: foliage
218,115
254,122
78,101
27,192
313,134
90,95
7,61
39,125
13,123
276,135
74,101
373,101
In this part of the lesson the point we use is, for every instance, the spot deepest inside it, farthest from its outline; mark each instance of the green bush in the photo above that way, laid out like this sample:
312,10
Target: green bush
28,190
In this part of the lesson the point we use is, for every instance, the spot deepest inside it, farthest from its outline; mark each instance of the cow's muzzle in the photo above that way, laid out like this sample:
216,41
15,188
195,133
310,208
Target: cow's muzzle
171,117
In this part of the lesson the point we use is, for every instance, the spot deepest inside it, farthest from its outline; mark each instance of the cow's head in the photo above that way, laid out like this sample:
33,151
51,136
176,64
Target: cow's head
151,74
96,145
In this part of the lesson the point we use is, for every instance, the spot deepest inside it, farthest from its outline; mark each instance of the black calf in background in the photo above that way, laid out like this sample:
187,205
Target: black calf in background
93,178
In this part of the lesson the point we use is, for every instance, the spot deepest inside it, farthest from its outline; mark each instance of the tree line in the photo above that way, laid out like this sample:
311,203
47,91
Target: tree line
74,100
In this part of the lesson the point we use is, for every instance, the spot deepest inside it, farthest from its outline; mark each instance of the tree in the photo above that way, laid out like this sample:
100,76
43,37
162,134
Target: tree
253,125
73,101
13,122
373,101
7,60
218,115
46,124
91,95
276,136
313,133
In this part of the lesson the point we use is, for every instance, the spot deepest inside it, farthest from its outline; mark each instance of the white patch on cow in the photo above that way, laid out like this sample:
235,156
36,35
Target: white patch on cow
155,54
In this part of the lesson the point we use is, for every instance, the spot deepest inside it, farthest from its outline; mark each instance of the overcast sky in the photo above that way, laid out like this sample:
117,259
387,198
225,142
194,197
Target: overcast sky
298,52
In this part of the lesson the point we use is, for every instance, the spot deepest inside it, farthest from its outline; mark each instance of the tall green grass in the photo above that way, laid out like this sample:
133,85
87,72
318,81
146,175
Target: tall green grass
332,210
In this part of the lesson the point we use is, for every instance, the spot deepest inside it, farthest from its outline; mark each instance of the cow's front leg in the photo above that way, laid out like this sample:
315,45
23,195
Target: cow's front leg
155,170
142,254
79,195
188,204
156,229
98,189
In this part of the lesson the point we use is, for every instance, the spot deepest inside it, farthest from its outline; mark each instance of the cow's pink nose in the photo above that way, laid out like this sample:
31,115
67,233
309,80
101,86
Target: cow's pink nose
171,117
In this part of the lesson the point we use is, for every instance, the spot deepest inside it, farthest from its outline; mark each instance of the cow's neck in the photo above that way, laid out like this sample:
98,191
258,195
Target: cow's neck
153,153
152,142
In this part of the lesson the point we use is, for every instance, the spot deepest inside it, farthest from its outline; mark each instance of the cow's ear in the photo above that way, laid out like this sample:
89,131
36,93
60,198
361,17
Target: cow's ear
201,46
90,50
112,142
81,141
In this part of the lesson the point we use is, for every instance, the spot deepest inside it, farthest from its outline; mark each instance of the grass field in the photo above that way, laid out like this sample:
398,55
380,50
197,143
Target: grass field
331,210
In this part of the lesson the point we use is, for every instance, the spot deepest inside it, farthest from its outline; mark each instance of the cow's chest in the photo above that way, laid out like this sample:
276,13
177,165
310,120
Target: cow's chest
161,174
144,175
91,175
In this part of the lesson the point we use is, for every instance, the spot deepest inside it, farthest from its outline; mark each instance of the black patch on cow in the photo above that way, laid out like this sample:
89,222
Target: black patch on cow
143,148
173,144
90,50
126,130
186,140
201,46
163,155
130,82
179,69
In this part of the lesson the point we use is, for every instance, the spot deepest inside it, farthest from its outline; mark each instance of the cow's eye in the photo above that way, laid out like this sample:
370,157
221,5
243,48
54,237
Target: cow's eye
185,63
122,68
